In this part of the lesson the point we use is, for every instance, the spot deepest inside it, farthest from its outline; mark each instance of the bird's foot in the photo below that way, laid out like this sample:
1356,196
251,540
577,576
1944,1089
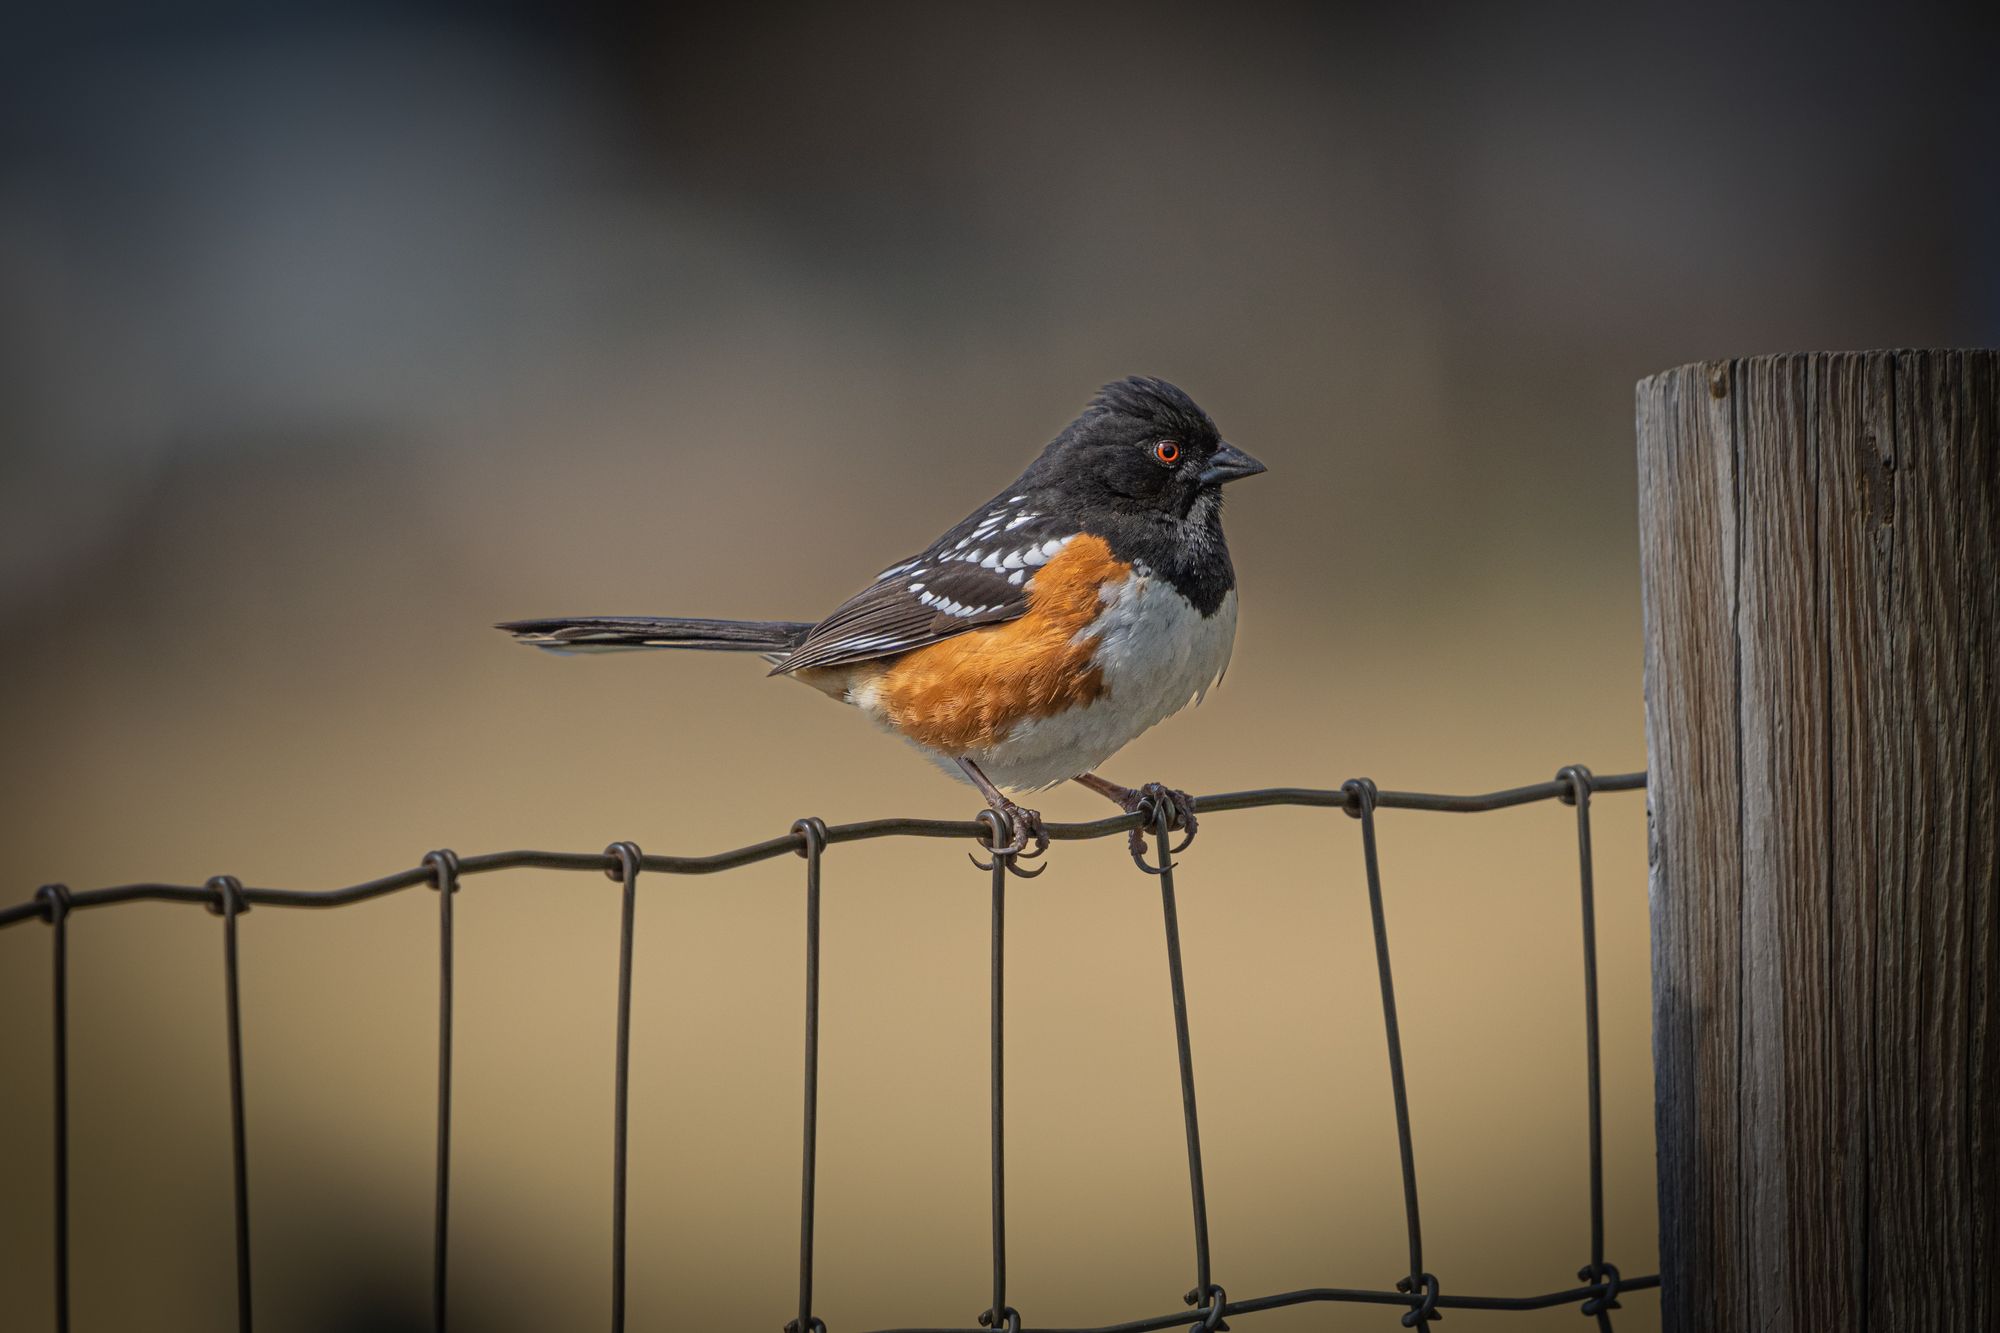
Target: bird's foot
1021,828
1150,802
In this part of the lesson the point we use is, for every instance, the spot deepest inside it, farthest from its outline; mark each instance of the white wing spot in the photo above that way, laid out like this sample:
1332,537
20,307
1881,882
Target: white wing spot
1016,577
1017,522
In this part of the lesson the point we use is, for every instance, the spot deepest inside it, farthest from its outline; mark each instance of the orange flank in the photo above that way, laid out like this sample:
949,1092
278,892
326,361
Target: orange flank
967,692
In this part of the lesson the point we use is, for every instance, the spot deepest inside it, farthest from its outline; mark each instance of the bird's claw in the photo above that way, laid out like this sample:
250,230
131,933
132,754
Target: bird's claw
1152,801
1023,829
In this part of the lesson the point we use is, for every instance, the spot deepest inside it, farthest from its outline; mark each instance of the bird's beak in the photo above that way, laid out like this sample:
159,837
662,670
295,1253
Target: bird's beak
1228,464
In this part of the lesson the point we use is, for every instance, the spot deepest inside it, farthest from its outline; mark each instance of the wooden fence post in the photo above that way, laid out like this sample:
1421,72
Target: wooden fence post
1820,553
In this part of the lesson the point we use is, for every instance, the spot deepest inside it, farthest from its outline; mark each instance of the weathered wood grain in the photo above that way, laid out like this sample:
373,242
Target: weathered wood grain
1820,553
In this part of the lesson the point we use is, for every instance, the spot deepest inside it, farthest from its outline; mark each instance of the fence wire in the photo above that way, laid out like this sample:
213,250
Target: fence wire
1418,1291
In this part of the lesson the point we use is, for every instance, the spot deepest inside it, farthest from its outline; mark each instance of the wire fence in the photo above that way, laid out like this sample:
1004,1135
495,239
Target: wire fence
1419,1291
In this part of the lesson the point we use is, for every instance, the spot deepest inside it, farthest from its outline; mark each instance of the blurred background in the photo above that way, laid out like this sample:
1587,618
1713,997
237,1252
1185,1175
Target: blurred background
331,333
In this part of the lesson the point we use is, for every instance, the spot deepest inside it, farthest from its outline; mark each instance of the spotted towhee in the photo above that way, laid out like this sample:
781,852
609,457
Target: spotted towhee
1086,601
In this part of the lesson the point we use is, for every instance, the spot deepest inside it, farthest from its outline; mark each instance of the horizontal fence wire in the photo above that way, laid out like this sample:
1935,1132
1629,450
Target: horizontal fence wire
1419,1293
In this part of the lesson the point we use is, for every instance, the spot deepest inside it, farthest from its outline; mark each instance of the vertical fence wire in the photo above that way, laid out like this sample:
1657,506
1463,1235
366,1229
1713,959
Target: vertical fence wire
1205,1290
1421,1285
814,833
1001,1315
627,875
444,870
229,904
1598,1306
55,901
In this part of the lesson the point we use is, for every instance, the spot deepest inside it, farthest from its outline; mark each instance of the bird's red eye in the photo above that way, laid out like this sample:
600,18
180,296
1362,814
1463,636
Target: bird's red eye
1167,451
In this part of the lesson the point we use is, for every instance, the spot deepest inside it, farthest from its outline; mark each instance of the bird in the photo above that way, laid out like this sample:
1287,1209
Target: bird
1089,599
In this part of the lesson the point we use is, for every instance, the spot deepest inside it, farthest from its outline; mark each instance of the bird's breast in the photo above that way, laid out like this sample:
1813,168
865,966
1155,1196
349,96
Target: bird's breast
1105,651
1157,652
1154,654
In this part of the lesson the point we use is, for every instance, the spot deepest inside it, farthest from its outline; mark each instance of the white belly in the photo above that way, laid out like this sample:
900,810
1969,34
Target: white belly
1158,655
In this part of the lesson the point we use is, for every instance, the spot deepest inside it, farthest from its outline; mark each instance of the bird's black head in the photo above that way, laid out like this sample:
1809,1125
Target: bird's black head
1143,447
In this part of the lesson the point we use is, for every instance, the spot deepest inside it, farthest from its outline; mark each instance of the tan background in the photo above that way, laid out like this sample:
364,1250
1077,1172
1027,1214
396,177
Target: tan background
330,340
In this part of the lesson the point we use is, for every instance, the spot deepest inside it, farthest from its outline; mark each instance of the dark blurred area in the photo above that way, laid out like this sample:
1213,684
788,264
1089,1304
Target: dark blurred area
331,333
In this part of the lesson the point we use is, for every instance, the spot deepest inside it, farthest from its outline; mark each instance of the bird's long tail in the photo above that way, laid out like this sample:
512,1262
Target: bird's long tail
602,634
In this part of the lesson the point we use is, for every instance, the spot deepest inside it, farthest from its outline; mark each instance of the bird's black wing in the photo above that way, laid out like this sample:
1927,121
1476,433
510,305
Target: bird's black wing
977,574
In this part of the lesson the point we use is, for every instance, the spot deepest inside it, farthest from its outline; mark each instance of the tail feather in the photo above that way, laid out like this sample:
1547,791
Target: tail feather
585,634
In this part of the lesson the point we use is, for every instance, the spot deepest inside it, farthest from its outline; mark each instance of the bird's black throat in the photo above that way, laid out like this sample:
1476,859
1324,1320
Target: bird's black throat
1188,550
